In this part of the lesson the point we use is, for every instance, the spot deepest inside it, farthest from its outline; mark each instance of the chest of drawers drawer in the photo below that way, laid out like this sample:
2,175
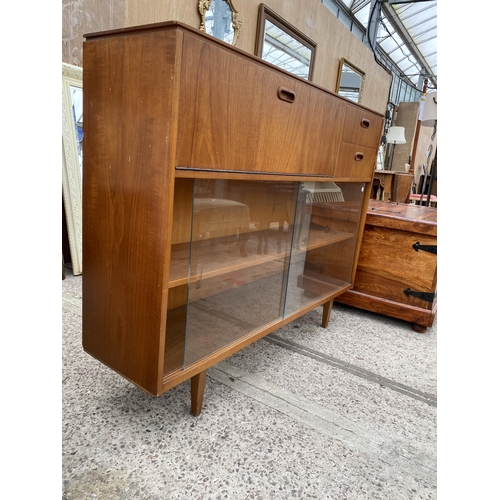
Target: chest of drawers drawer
361,127
356,161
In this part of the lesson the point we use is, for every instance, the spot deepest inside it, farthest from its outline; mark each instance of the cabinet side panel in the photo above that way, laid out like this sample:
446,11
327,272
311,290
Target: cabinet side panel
128,109
239,114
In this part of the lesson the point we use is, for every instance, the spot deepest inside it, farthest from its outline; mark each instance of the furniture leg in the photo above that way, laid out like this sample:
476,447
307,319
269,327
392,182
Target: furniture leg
197,390
327,309
418,328
259,246
243,238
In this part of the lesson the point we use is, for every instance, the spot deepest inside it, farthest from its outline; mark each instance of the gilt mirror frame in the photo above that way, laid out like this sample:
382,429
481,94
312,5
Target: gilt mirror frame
204,7
71,169
266,14
344,63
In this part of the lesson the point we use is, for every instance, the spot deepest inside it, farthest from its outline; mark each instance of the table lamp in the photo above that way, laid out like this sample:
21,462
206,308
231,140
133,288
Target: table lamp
429,115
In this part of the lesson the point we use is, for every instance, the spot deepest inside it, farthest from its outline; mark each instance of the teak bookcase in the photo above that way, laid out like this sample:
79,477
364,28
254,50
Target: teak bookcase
222,198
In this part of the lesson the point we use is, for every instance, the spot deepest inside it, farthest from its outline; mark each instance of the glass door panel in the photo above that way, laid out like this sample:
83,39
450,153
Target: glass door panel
324,240
256,252
241,235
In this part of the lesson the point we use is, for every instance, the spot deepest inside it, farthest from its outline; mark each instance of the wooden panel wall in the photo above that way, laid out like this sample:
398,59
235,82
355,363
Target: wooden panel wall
309,16
86,16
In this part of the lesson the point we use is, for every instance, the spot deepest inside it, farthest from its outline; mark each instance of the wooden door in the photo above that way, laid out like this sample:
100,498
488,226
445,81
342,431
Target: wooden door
240,114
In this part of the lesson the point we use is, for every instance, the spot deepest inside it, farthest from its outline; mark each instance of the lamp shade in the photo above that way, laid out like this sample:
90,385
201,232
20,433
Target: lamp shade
429,115
396,135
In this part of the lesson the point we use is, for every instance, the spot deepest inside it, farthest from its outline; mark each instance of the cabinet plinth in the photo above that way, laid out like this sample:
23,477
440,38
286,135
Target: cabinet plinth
214,212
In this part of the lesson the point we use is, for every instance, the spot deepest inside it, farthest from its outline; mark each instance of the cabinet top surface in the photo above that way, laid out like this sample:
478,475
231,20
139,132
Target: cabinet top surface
402,212
177,25
391,173
143,27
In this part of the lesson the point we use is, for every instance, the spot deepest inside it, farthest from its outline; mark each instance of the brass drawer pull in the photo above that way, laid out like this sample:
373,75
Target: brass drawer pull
359,156
365,123
286,95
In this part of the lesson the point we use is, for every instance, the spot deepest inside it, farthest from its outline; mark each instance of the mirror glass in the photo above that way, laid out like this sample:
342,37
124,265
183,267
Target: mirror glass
350,81
218,18
72,135
281,44
77,113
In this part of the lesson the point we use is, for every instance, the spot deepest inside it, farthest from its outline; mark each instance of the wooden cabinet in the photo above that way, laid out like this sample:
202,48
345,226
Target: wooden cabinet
392,186
397,266
222,199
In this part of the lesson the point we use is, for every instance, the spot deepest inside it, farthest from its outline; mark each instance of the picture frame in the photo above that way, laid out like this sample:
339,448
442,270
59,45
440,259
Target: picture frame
219,18
72,96
350,81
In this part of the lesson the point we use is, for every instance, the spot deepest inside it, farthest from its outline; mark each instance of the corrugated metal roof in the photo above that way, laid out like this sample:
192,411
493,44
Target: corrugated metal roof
407,34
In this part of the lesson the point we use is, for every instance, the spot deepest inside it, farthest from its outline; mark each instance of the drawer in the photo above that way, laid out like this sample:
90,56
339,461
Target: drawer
355,161
362,127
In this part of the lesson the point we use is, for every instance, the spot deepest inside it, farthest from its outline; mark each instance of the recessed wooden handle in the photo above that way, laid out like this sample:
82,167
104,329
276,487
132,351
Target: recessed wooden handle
365,123
286,94
358,156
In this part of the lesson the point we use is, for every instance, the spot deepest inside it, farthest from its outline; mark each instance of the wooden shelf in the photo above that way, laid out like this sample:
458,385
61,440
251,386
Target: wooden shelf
222,258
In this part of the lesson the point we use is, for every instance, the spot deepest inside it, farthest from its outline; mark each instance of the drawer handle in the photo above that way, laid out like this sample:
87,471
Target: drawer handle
286,95
358,156
365,123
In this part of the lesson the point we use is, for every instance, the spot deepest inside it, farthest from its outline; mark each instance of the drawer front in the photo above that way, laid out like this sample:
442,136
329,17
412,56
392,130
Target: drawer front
237,114
362,127
355,161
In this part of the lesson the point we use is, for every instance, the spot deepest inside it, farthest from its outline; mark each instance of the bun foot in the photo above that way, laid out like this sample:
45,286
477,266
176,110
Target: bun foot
418,328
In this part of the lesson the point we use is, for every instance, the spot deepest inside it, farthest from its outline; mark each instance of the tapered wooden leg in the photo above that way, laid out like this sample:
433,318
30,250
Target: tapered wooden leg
327,309
197,390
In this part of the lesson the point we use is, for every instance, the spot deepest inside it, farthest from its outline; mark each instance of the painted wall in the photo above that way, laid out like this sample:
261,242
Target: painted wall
311,17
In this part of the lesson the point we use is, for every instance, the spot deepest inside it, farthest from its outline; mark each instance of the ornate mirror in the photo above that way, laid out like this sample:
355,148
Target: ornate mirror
219,19
350,81
281,44
72,120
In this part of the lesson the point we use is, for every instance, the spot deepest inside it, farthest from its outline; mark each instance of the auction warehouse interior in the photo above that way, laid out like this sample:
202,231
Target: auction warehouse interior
249,261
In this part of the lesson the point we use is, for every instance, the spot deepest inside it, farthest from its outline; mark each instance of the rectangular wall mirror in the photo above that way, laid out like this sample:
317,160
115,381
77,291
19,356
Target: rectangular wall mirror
281,44
72,121
350,81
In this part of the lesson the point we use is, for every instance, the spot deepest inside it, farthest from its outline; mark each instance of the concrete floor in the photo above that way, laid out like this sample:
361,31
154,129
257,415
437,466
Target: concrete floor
346,412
